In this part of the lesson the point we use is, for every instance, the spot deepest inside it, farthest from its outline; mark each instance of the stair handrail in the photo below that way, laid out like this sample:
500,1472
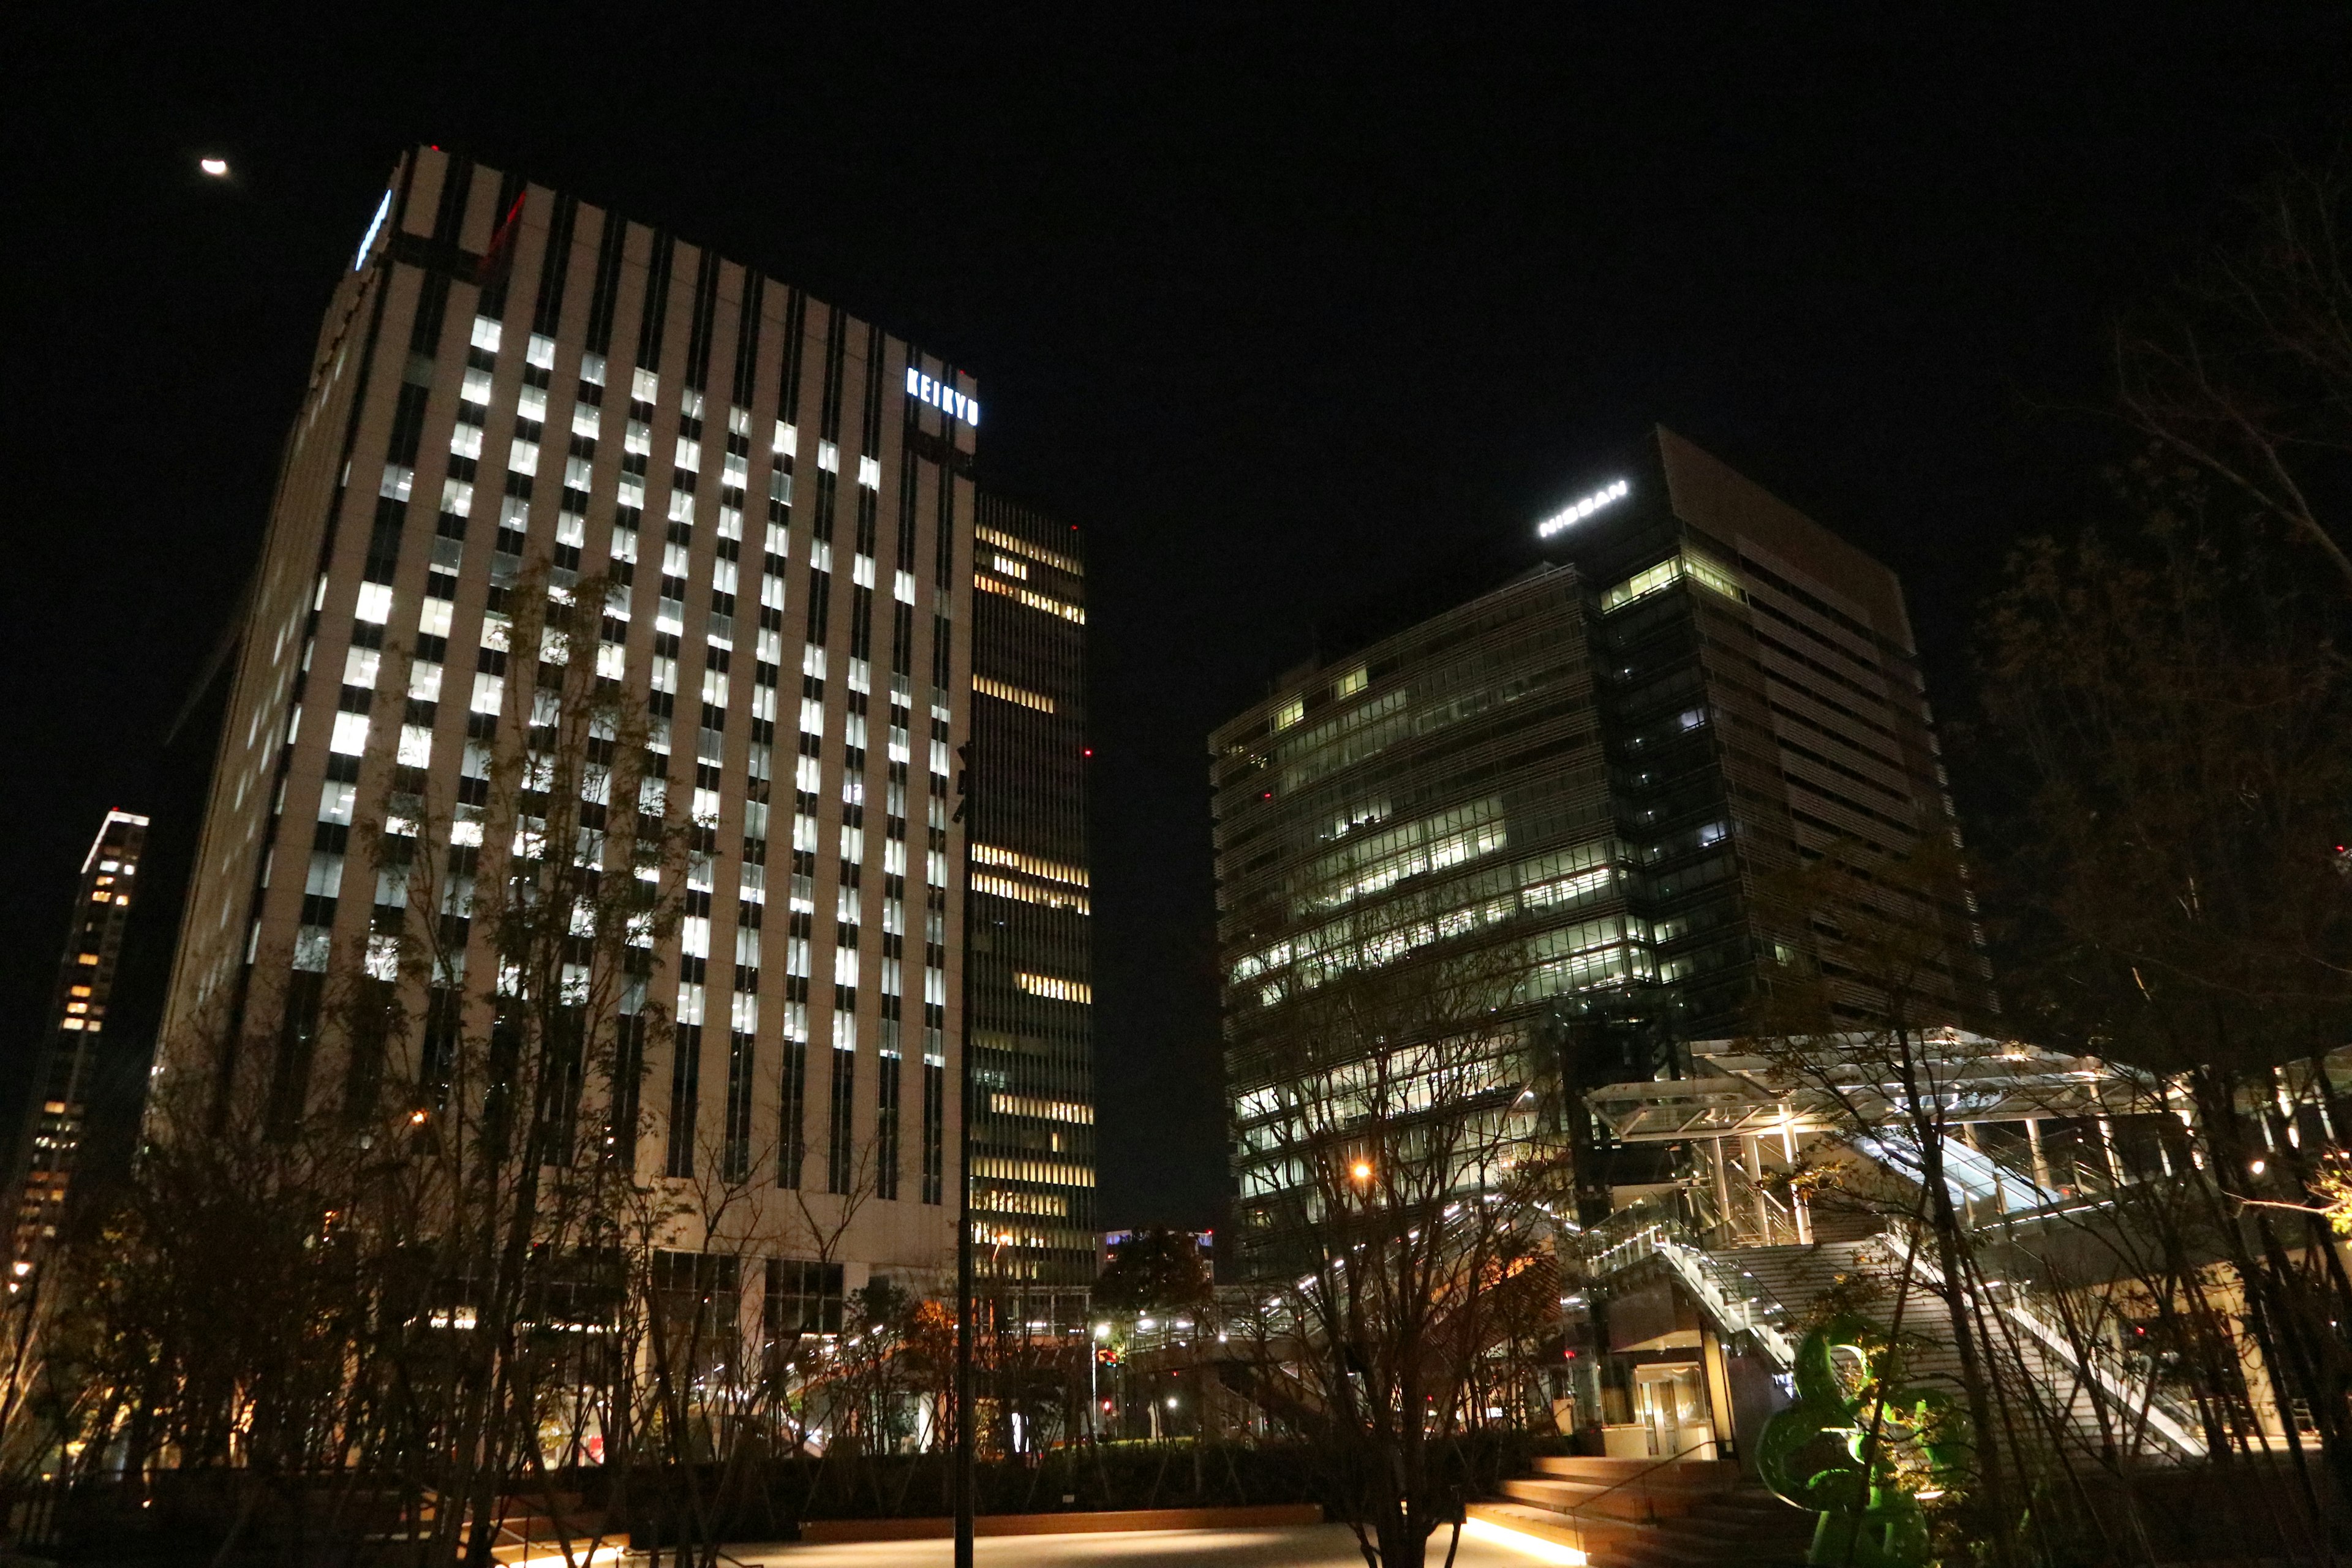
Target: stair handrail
1650,1228
1576,1510
2130,1390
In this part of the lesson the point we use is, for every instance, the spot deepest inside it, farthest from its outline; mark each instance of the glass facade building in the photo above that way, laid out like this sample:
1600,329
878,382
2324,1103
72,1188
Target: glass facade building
1597,769
513,386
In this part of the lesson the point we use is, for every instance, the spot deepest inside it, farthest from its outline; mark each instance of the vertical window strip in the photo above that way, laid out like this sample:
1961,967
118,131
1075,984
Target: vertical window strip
611,247
738,1159
700,320
836,354
449,215
935,1105
747,344
792,1131
684,1090
555,269
840,1156
788,395
870,431
885,1128
497,262
657,313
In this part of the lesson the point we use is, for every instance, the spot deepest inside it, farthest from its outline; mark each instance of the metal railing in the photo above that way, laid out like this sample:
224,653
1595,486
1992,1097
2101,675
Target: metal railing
1649,1502
2135,1397
1653,1228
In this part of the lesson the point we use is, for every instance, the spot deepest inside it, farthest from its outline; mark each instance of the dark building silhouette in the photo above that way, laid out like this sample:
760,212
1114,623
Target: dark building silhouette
1033,998
68,1063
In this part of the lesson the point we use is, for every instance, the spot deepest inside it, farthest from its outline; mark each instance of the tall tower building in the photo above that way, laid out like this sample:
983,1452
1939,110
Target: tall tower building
513,386
56,1109
1033,999
1685,687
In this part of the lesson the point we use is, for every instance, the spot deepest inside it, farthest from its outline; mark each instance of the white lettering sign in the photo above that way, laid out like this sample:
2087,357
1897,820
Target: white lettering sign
1576,512
375,224
924,389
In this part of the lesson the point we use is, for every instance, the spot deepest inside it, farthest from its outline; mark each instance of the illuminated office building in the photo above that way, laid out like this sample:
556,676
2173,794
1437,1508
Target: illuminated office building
1596,767
1033,999
56,1113
512,385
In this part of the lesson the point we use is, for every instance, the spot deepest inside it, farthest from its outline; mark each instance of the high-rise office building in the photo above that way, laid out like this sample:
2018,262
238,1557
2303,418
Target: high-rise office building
1598,768
57,1111
1033,999
513,387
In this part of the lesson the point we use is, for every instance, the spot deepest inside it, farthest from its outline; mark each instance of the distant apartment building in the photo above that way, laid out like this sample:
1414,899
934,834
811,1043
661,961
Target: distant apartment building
1597,767
1032,997
512,385
58,1099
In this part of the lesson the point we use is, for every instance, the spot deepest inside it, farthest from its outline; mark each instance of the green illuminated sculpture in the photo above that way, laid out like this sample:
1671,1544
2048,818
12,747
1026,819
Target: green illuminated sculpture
1862,1449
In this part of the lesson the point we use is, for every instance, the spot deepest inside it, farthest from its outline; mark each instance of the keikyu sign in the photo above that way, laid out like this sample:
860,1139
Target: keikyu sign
925,389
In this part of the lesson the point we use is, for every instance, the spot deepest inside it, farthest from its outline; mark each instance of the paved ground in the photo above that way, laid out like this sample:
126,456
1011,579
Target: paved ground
1315,1546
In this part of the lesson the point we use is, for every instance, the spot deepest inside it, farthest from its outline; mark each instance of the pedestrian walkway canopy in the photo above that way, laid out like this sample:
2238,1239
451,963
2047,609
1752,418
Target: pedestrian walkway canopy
1818,1083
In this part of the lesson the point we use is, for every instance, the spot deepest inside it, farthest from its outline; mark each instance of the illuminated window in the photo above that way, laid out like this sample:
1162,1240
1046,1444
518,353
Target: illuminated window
1028,893
1071,613
1689,564
488,334
1289,713
1350,683
1035,552
1005,692
1035,865
1041,1110
1054,988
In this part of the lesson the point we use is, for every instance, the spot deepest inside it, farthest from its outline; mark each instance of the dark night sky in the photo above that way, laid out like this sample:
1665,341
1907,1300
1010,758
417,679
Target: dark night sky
1285,314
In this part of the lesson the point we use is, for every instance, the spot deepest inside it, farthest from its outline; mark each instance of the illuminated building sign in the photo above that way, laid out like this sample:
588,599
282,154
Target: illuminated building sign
383,211
947,399
1576,512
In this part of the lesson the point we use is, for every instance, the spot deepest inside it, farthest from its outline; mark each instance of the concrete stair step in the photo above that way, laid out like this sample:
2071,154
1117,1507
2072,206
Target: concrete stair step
1545,1525
1631,1501
1607,1471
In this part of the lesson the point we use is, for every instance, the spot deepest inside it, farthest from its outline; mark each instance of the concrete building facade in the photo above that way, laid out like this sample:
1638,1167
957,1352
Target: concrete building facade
515,390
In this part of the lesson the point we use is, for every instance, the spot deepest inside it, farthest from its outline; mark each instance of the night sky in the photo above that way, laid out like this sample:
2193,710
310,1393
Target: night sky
1287,315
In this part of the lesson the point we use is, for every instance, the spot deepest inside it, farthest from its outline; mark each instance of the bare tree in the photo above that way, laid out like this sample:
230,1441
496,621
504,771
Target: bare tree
2170,708
2246,372
1409,1187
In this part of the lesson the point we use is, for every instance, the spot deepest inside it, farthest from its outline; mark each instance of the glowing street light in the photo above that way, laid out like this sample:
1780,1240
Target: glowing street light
1363,1170
216,167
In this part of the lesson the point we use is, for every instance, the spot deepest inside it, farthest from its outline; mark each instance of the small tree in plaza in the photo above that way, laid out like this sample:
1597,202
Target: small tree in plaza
1413,1208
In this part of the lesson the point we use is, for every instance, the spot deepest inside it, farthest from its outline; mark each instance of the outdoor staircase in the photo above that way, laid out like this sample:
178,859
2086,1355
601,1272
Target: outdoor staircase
2035,1360
1643,1513
528,1532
